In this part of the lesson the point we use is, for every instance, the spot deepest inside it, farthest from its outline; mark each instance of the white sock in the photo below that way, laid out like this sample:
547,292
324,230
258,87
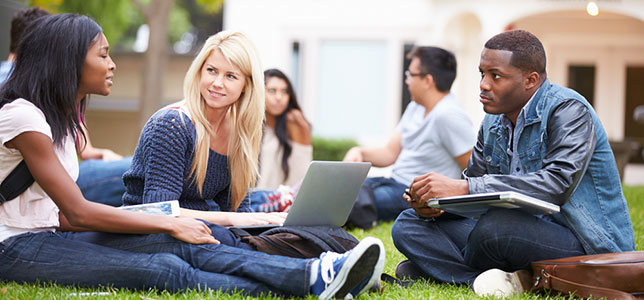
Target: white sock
315,267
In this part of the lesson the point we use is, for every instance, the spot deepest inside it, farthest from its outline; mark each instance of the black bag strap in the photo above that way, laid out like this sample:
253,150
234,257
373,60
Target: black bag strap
393,280
16,182
319,235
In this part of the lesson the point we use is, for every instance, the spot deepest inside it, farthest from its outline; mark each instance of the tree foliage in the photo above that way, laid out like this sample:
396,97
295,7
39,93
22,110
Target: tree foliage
164,19
114,16
120,19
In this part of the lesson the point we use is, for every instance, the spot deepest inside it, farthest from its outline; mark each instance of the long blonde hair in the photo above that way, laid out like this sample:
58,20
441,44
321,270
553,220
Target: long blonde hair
246,114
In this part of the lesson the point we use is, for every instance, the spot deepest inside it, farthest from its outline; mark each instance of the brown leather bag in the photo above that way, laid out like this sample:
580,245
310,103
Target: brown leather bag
610,276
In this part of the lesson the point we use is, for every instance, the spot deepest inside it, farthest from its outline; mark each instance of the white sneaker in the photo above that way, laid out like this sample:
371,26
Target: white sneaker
495,282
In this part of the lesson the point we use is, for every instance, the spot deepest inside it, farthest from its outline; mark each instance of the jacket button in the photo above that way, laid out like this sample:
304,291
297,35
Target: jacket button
488,158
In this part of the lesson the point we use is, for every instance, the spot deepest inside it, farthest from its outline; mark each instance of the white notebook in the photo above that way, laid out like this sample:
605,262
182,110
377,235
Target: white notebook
475,205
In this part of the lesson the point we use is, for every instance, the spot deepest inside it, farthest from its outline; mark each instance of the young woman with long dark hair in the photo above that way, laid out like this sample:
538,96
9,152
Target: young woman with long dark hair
61,60
286,146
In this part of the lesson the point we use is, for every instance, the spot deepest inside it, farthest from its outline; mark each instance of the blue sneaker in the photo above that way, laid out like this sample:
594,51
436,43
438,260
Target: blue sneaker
372,281
352,273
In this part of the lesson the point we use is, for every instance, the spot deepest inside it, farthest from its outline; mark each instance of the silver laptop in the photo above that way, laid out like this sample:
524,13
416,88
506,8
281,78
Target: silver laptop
475,205
326,195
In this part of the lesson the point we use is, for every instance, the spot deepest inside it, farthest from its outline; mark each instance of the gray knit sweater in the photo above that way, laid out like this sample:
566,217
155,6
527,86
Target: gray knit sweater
161,164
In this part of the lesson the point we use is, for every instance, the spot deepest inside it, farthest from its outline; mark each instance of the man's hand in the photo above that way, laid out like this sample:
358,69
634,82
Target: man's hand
354,155
434,185
421,208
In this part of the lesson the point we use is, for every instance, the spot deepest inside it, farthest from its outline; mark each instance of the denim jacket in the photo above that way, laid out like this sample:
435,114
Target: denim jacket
565,153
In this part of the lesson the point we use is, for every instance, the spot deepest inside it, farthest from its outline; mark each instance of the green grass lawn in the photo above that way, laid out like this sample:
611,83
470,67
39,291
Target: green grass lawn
420,290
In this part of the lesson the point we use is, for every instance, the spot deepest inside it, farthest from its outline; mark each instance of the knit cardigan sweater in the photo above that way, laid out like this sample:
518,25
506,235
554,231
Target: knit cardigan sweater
161,166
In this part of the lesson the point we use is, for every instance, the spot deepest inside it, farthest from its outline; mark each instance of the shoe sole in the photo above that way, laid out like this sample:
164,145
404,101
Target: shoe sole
361,263
380,265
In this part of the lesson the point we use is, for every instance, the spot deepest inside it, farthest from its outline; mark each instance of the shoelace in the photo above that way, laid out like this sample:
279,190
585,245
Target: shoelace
326,266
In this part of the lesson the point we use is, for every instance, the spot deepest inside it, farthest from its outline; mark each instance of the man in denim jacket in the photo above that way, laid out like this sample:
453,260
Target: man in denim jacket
539,139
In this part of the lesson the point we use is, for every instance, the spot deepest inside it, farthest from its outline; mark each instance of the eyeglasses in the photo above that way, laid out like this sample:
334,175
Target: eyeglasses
410,74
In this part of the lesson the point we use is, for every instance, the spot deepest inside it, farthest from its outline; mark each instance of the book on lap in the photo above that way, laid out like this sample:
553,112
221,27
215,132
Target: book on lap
474,205
170,208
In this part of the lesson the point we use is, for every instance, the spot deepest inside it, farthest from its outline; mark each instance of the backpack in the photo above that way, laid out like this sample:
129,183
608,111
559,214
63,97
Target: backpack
299,241
364,213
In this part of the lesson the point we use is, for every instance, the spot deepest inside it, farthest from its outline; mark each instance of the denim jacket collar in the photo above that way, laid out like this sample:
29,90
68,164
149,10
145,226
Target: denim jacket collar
532,111
537,104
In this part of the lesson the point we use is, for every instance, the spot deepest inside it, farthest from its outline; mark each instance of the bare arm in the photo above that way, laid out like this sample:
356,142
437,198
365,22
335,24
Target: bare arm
234,218
463,159
87,151
298,128
379,157
38,152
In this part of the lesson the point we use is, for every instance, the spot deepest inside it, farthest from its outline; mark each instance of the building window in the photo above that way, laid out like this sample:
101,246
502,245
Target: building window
296,59
582,79
634,130
351,89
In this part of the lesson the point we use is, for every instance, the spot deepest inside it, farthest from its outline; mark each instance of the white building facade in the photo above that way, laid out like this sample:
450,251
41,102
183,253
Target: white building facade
346,57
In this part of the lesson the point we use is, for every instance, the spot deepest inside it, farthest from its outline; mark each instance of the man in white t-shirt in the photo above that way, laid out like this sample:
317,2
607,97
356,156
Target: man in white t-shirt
434,135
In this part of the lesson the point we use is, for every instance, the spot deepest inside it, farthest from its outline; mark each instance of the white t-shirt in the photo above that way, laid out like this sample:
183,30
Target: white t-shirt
270,162
32,210
430,143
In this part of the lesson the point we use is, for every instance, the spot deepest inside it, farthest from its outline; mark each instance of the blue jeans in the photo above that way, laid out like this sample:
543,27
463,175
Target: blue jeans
101,181
454,249
137,242
159,261
260,200
388,195
278,200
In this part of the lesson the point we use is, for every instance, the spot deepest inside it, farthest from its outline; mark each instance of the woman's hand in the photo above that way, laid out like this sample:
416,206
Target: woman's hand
245,219
192,231
297,127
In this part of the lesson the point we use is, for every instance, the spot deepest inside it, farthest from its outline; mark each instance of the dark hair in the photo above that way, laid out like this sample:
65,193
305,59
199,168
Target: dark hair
280,123
48,70
439,63
528,54
20,20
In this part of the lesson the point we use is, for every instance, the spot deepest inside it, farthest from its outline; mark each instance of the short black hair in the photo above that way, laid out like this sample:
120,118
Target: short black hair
439,63
528,54
19,22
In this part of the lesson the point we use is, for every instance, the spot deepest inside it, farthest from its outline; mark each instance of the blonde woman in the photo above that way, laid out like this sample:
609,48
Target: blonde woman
203,150
66,58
